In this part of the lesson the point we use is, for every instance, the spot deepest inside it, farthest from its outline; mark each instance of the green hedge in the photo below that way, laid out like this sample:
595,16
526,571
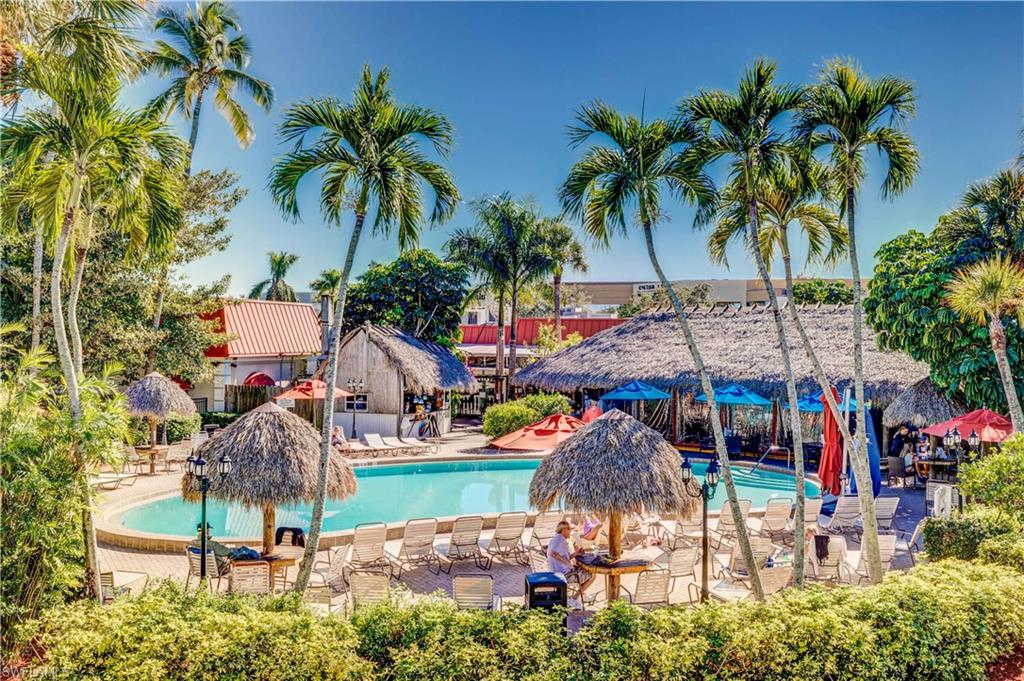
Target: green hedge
178,428
944,620
220,418
959,536
547,404
1006,549
500,419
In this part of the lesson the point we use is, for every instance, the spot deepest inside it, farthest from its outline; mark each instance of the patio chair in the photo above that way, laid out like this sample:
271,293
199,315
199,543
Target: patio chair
195,566
682,532
544,528
912,542
111,481
538,560
133,460
885,512
374,441
464,542
887,549
846,514
898,470
320,598
507,541
682,562
812,511
652,589
775,579
833,567
475,592
775,521
726,526
367,550
368,588
417,441
177,455
402,447
735,567
250,578
108,590
417,546
933,486
333,569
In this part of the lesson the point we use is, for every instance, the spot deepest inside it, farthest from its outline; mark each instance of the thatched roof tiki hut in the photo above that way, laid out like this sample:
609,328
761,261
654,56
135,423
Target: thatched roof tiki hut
397,370
155,397
275,458
613,466
921,404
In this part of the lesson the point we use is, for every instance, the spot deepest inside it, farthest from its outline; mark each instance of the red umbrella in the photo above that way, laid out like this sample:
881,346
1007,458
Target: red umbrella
831,463
990,426
545,434
311,390
592,412
259,378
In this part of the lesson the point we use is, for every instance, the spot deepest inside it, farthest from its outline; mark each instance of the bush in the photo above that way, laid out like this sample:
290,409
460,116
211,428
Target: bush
178,428
500,419
220,418
997,479
1006,549
547,404
960,535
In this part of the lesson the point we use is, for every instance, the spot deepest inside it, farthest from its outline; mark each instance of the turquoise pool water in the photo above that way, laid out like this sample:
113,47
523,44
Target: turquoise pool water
393,493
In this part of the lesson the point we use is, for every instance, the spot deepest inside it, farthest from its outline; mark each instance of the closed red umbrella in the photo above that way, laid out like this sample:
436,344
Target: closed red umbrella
544,434
990,426
259,378
592,412
831,463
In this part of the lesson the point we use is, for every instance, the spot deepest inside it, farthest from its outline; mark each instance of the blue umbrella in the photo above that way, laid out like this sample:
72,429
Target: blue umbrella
813,403
737,396
636,390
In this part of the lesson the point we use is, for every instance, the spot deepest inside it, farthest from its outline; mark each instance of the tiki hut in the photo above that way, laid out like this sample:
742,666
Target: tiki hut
401,375
155,397
738,345
922,404
275,458
613,466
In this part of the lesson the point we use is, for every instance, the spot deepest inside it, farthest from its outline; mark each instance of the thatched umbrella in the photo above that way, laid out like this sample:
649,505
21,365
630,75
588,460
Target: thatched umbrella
612,466
922,404
155,397
275,457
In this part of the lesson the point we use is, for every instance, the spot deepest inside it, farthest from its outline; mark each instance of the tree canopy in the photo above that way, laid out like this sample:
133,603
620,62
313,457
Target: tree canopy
821,291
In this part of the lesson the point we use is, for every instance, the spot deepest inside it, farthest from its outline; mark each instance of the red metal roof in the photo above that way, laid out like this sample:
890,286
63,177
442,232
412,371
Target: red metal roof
527,327
266,328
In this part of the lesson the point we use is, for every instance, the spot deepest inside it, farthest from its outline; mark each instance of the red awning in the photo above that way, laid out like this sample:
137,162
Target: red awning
831,463
543,435
990,426
259,378
311,390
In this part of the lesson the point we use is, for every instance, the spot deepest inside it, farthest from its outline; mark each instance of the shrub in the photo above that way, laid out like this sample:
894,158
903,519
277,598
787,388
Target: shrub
220,418
959,535
997,479
1005,549
178,428
547,404
500,419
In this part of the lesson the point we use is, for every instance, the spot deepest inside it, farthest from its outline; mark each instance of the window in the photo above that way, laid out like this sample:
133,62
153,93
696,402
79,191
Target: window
356,403
200,403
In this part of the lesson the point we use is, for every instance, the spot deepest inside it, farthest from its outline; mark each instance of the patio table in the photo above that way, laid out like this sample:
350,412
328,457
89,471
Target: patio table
613,569
152,451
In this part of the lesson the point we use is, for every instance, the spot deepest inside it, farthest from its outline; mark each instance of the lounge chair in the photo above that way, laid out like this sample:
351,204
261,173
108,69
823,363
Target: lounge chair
912,543
402,447
652,589
111,481
177,455
726,527
775,521
250,578
887,549
109,590
846,514
538,560
475,592
464,542
885,512
682,562
368,588
374,441
933,486
833,567
195,565
507,541
812,512
544,528
735,567
775,579
320,598
367,552
418,546
416,441
682,532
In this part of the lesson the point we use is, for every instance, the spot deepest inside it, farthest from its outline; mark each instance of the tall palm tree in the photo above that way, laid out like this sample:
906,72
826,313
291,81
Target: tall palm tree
849,114
743,128
566,252
275,287
982,294
786,196
327,283
631,170
989,218
371,146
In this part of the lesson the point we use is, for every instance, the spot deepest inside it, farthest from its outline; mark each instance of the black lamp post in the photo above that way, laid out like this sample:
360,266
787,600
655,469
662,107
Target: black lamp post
200,471
973,441
705,493
354,387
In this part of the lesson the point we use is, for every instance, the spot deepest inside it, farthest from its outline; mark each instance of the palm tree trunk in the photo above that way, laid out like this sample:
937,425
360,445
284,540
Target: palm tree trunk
158,311
716,425
194,133
327,423
37,287
998,335
859,455
794,413
499,350
73,295
557,286
512,322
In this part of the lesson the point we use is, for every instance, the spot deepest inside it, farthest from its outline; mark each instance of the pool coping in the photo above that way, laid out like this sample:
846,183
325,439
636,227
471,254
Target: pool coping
111,532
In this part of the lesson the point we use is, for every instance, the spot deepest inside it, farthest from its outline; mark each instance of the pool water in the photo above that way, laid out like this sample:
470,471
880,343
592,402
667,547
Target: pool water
391,493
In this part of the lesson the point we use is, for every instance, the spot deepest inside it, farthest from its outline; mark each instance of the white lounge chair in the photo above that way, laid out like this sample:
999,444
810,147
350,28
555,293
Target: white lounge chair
735,567
683,531
321,598
110,589
250,578
544,528
507,541
418,546
475,592
885,512
374,441
402,447
931,487
368,588
812,511
725,528
682,562
775,579
912,544
775,521
367,552
111,481
887,549
833,567
652,589
464,542
846,514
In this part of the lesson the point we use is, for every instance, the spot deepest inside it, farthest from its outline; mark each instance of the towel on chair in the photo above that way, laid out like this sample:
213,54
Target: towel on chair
298,536
821,547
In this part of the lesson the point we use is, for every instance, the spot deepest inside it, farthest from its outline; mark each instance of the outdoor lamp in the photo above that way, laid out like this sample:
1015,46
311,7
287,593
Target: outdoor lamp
973,441
712,474
199,467
956,437
687,470
224,465
947,439
705,492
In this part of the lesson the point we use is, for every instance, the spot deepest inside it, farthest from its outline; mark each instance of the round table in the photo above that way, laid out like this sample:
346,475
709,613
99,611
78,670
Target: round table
152,451
612,569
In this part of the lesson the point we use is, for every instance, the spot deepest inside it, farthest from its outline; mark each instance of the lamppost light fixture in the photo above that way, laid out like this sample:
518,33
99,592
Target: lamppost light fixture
947,439
956,437
200,467
711,476
973,440
224,465
687,470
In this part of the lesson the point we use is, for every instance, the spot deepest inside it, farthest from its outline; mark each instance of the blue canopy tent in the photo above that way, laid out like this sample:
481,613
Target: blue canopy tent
634,391
737,396
812,403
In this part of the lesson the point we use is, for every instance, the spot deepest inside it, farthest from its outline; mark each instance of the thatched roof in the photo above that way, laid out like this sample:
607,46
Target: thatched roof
158,396
614,464
738,346
426,366
922,404
275,459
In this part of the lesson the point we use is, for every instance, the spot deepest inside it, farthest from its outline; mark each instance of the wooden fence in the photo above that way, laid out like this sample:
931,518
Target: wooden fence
239,399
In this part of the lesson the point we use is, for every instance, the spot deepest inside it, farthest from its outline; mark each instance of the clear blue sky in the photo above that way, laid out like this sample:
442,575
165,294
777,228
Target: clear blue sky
510,76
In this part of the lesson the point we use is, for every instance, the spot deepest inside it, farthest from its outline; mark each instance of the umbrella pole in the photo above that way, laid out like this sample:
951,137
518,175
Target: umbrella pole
614,551
268,529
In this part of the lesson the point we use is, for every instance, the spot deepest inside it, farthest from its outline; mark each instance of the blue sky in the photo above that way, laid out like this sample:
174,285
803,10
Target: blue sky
511,75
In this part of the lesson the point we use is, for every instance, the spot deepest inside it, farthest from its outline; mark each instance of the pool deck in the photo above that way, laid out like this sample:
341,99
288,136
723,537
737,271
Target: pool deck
508,577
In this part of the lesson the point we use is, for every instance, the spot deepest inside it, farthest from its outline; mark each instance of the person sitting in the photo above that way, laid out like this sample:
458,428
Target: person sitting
589,528
561,558
221,552
338,440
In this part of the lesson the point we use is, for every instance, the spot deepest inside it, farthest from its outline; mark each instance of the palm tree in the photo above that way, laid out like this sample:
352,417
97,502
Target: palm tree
565,252
327,283
275,288
205,54
786,196
991,289
850,113
990,217
640,161
372,147
743,128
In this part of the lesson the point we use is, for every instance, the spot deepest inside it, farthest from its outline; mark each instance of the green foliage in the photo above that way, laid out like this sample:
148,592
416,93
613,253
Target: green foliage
547,339
220,418
959,536
1004,549
997,479
546,404
943,620
821,291
178,428
906,307
418,293
641,302
500,419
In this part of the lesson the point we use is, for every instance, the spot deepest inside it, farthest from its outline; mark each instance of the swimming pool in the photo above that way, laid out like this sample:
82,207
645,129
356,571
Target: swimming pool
398,492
